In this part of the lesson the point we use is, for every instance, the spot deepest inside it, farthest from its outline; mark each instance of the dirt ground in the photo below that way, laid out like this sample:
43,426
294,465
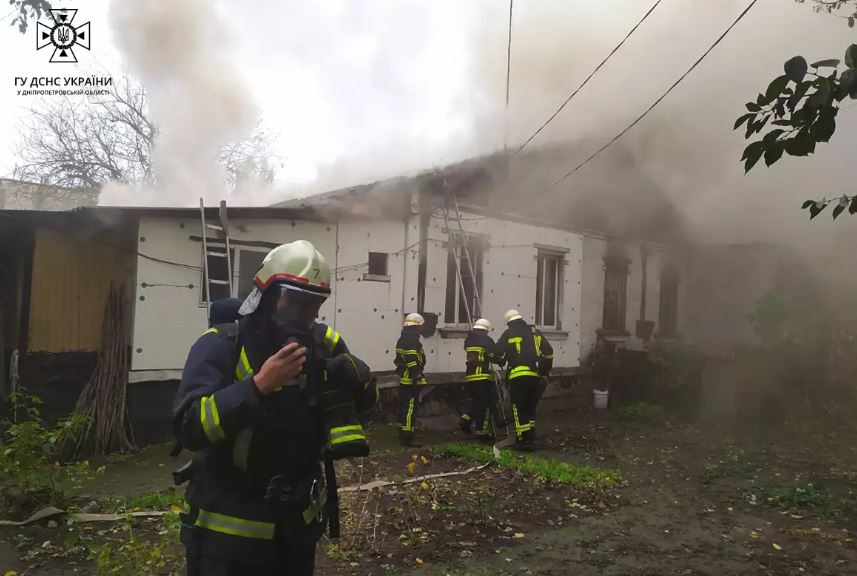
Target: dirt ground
692,501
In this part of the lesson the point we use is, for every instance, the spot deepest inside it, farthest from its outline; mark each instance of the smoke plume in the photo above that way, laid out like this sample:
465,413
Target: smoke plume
198,100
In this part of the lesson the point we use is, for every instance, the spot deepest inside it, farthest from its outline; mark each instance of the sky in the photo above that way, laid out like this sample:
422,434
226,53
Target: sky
358,90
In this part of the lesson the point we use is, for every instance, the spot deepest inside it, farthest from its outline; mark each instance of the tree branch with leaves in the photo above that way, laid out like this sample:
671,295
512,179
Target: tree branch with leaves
26,10
800,107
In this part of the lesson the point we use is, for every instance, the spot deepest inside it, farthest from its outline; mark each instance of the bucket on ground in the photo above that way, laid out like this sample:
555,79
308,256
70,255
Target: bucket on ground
599,399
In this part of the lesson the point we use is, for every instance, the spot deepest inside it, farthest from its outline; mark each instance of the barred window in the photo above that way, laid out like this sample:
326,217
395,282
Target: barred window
615,294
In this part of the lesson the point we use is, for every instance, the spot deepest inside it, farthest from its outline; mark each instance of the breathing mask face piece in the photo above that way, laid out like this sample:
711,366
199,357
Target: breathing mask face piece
292,313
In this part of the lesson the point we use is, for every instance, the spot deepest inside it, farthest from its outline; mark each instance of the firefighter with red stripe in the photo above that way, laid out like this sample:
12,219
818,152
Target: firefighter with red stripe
410,363
262,403
529,359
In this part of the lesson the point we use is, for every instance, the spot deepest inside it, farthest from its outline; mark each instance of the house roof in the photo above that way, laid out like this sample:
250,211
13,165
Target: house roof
616,198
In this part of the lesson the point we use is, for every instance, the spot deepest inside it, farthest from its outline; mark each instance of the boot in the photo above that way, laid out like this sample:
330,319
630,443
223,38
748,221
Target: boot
466,425
406,439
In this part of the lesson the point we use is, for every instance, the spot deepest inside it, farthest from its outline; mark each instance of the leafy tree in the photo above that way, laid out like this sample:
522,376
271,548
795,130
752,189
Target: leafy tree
799,108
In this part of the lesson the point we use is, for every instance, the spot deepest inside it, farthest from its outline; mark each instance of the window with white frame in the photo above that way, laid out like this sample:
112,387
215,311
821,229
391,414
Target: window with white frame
463,285
246,261
549,282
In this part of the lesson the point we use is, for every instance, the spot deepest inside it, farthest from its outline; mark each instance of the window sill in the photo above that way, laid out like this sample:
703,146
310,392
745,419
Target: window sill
375,278
454,331
670,337
553,333
614,335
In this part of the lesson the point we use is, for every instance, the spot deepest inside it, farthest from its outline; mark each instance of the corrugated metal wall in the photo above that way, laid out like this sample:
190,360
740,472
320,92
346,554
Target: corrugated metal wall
72,273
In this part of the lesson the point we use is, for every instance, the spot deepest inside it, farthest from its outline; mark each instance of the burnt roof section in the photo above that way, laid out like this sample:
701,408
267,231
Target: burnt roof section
615,198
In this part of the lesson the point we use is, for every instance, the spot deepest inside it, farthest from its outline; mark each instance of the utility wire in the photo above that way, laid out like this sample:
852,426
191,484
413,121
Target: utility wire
508,74
585,82
643,115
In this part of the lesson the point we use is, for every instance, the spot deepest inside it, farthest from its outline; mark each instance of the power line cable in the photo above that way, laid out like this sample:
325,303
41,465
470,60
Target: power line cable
585,82
643,115
508,74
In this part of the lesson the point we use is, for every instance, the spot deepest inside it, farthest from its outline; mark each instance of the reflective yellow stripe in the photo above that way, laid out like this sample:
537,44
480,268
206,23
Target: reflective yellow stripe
243,369
517,421
465,417
411,364
349,438
350,428
241,449
210,419
331,338
410,414
235,526
346,434
538,341
517,342
477,377
313,511
211,331
519,371
405,381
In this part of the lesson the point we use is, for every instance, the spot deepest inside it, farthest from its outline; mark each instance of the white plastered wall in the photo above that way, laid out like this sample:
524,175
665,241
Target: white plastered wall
509,281
168,315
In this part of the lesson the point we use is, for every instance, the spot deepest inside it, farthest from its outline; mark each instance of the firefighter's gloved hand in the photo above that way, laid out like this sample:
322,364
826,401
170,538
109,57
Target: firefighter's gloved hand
348,389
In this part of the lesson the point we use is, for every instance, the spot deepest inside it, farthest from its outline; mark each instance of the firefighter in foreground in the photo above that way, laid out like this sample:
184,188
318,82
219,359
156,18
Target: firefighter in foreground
410,362
481,352
529,358
262,401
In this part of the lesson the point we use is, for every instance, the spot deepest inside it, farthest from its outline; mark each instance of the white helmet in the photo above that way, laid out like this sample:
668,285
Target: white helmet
482,324
414,319
513,315
297,265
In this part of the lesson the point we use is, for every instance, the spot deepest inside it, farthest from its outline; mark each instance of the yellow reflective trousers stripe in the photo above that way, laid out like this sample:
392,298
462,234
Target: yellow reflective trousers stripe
408,425
234,526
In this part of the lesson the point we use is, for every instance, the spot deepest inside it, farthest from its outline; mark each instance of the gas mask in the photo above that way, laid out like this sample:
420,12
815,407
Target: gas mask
291,314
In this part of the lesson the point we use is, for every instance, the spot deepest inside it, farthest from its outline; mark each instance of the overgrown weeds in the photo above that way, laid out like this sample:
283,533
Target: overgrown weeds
162,556
642,412
31,475
166,500
793,498
732,466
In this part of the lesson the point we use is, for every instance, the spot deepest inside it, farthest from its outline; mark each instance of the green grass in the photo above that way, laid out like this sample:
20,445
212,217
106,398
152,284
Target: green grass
731,466
791,497
544,468
152,501
641,412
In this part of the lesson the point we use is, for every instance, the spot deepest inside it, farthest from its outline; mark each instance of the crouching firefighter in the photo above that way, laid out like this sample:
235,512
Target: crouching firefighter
481,352
410,362
262,402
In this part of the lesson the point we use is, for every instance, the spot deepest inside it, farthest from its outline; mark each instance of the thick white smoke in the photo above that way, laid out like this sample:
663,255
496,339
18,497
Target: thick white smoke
198,100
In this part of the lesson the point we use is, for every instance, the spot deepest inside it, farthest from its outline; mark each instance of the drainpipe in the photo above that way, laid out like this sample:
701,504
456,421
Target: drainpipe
425,219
